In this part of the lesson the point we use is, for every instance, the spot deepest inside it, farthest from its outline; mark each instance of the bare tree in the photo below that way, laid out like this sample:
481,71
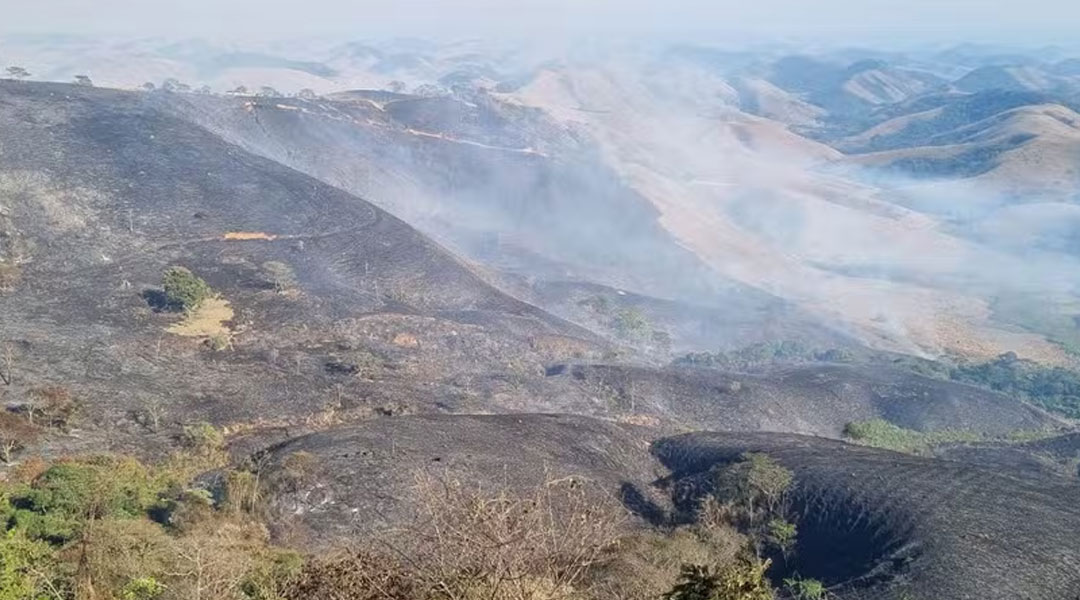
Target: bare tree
15,72
306,94
238,91
269,92
84,81
15,434
149,86
396,86
204,91
7,374
154,410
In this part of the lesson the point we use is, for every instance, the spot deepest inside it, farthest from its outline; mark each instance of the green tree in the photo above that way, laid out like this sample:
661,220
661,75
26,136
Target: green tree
782,534
755,483
184,289
26,568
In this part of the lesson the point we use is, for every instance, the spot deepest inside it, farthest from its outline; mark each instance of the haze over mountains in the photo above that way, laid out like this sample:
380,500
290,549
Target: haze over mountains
891,196
503,261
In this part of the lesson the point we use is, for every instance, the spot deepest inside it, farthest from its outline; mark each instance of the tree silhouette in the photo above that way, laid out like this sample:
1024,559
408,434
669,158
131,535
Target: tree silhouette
17,72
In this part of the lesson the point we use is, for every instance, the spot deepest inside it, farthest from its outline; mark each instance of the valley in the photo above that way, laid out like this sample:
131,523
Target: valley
337,326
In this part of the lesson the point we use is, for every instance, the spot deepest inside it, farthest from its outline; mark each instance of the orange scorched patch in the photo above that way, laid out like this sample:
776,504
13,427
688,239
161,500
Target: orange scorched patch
249,235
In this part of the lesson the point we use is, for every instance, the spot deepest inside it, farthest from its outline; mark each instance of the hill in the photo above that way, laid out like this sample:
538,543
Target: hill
1022,152
104,190
875,524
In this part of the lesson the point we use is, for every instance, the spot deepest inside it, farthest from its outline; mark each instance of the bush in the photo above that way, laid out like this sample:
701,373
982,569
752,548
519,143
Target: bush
745,580
631,324
220,342
142,588
184,289
782,534
203,437
279,275
53,406
805,589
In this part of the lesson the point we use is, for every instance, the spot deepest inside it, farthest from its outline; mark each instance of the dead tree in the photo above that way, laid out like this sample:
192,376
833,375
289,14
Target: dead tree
7,374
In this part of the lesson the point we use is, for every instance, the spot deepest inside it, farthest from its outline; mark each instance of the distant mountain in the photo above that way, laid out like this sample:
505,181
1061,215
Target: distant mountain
1024,152
1008,78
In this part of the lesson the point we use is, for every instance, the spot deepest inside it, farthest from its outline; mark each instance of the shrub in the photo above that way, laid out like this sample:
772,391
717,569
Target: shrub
203,437
142,588
184,289
53,406
597,304
744,580
279,275
630,323
782,534
220,342
805,589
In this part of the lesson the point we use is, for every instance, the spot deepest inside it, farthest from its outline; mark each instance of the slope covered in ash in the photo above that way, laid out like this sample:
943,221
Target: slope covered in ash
102,190
362,479
1057,456
812,399
878,525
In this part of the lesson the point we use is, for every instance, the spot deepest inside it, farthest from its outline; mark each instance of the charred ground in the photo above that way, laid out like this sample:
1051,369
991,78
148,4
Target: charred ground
103,190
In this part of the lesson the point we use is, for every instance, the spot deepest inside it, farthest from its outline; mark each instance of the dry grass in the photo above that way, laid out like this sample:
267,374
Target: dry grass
467,543
209,320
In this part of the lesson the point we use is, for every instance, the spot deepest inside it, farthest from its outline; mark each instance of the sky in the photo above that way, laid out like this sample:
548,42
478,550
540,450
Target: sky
943,20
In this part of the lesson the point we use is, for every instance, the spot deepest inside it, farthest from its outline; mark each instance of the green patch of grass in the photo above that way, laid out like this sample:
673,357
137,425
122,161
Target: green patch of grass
880,433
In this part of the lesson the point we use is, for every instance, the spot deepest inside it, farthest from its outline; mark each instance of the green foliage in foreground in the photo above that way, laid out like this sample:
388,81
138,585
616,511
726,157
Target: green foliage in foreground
744,580
111,528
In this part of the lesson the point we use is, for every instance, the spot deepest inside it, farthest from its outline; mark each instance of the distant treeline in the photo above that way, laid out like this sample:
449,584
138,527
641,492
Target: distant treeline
1056,389
765,354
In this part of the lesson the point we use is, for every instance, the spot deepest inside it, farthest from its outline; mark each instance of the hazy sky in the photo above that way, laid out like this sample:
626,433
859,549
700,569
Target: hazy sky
946,20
